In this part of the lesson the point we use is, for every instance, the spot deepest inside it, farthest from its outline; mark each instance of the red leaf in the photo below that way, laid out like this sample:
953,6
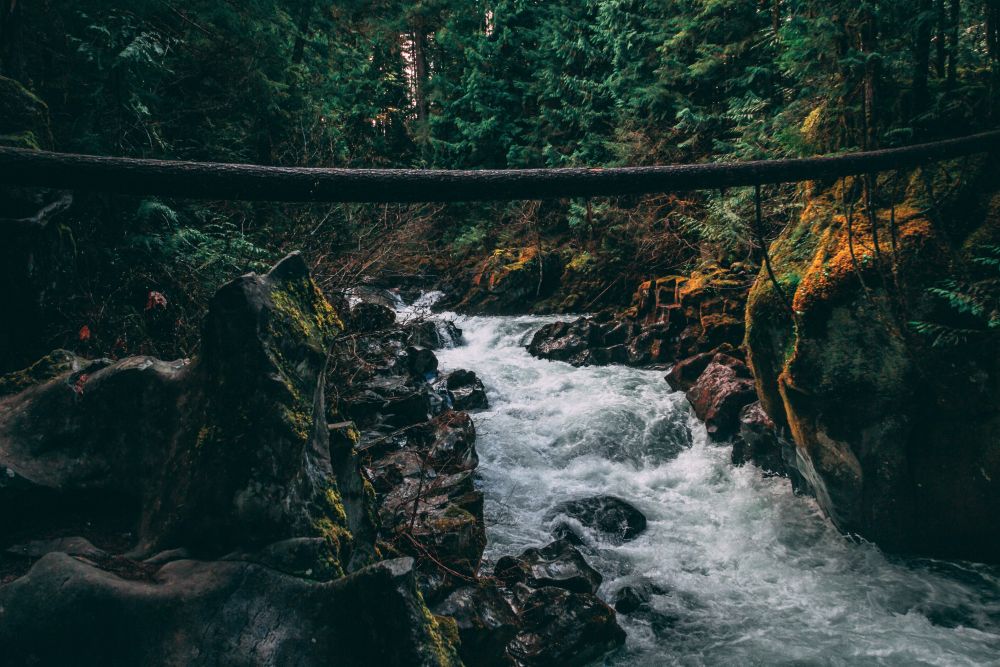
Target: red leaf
80,382
156,300
84,333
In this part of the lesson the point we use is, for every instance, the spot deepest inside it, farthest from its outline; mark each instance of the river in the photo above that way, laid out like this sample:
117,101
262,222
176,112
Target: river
746,572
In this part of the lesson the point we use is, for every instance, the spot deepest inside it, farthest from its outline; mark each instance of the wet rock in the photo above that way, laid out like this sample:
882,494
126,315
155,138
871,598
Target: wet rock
466,390
758,442
433,334
564,628
420,361
628,600
73,546
557,564
572,342
486,624
453,443
683,375
721,391
613,518
223,612
367,317
161,434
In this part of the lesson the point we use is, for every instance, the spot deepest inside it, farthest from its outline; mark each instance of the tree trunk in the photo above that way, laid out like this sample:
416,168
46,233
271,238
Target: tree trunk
10,54
208,180
941,51
954,19
869,47
299,49
419,42
921,58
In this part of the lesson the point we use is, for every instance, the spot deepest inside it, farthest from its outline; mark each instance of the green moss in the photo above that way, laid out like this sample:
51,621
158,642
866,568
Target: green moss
51,365
441,649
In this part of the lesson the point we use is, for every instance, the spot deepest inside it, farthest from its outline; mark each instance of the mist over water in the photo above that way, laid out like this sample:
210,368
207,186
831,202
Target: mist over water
746,572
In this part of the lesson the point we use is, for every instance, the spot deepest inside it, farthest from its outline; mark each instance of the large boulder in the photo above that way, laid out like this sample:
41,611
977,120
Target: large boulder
67,611
228,452
898,438
720,392
563,628
558,564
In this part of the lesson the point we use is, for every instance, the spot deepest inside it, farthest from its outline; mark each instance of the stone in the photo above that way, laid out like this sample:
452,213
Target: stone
368,317
433,334
558,564
572,342
171,440
465,389
420,361
758,441
720,392
223,612
486,624
562,628
612,518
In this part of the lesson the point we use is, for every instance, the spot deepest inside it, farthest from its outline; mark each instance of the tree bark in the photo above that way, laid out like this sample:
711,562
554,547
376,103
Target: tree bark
940,47
218,181
921,58
954,19
419,44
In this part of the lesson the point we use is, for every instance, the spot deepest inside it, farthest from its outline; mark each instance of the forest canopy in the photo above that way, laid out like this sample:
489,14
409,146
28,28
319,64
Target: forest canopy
471,84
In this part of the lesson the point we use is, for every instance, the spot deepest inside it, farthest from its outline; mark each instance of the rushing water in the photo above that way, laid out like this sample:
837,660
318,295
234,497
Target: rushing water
747,572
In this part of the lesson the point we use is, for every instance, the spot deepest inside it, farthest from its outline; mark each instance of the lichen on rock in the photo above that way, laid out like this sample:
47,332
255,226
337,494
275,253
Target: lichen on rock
897,440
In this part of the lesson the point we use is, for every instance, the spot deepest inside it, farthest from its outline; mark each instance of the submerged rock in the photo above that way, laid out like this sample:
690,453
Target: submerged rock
613,518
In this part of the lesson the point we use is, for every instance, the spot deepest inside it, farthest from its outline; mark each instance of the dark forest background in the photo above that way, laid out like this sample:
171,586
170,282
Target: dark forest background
460,84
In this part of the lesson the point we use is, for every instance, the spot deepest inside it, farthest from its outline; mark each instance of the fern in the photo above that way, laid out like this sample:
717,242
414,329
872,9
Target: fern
975,301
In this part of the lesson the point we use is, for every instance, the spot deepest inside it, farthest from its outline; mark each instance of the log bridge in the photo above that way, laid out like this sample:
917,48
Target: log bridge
223,181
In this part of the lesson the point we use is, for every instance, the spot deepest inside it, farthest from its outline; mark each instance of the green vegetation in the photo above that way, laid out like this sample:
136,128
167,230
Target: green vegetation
459,84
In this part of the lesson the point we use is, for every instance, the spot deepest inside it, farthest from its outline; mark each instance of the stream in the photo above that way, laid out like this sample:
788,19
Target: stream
743,571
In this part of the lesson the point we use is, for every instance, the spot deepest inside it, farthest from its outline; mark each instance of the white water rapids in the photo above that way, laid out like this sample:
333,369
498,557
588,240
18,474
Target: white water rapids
748,573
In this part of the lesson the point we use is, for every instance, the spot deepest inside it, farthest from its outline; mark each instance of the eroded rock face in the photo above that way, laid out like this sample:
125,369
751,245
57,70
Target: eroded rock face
900,440
671,318
758,441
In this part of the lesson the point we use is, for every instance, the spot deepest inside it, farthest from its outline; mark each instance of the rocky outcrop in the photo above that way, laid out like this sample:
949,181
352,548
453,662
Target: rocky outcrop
759,442
510,279
421,469
671,318
227,525
898,438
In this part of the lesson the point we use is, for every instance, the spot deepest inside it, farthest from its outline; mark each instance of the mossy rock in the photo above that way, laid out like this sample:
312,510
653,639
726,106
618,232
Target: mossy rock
875,411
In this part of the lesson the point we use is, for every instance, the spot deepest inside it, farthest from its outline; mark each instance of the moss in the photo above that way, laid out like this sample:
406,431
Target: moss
442,651
335,503
51,365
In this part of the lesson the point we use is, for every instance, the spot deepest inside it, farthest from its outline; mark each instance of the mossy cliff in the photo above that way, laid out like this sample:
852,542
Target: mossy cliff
899,439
